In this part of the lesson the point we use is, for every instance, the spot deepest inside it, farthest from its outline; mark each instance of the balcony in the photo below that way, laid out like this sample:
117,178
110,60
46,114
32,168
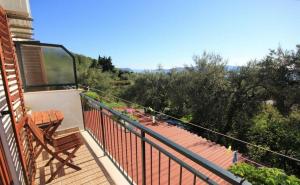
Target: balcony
116,150
119,150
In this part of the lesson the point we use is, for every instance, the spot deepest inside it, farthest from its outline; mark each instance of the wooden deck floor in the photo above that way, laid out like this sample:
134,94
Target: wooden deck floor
91,173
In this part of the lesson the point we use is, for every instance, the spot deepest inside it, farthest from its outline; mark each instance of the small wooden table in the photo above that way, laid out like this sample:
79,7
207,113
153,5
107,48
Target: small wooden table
48,121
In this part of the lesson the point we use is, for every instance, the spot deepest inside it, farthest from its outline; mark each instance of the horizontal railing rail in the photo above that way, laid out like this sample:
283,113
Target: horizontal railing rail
143,155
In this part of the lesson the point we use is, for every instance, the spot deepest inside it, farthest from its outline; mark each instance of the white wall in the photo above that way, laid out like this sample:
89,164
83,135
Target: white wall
67,101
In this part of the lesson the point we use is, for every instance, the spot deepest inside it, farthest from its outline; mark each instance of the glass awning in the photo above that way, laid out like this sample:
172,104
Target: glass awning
45,66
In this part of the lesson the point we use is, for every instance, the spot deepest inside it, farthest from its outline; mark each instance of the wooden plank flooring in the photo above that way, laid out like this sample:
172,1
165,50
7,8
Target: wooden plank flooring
91,173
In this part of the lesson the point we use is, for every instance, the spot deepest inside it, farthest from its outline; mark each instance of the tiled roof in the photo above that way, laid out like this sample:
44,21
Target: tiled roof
125,148
211,151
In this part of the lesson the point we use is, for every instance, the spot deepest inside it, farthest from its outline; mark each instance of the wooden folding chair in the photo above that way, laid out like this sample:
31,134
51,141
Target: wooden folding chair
60,146
48,122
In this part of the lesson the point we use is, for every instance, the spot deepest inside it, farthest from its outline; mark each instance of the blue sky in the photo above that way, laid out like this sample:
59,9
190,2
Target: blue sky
141,34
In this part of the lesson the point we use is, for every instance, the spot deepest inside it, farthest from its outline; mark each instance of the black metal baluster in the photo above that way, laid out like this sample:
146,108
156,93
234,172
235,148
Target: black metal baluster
91,122
114,156
169,171
131,157
151,163
82,111
137,160
143,157
118,144
107,133
122,150
111,138
103,125
180,176
126,151
104,117
194,179
100,125
159,167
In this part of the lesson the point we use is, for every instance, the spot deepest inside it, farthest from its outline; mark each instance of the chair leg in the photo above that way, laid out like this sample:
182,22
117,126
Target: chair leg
64,162
39,151
68,153
51,130
68,163
50,160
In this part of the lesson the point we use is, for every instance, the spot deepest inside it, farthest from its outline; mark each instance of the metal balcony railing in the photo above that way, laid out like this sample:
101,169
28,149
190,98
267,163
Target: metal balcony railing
144,156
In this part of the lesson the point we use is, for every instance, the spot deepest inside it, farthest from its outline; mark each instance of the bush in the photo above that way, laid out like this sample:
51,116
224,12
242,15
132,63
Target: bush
93,95
114,104
263,175
109,103
187,118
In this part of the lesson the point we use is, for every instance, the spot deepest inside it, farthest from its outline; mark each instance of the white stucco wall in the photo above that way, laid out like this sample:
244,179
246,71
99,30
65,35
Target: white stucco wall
67,101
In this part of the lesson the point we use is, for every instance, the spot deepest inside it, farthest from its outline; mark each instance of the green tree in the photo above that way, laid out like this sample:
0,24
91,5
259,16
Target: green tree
276,75
94,64
106,64
149,89
178,98
279,133
208,92
245,93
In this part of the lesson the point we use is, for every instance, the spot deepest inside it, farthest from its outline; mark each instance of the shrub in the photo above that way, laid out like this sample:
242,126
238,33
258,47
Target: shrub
109,103
263,175
93,95
187,118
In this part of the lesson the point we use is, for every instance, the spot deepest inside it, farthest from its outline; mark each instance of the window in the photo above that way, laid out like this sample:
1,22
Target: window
45,66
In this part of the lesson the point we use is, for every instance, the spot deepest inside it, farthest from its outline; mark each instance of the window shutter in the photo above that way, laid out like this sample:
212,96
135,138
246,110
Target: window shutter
15,101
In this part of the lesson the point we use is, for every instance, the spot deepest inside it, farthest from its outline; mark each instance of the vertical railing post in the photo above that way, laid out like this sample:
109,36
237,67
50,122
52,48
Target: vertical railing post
82,110
103,133
143,158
